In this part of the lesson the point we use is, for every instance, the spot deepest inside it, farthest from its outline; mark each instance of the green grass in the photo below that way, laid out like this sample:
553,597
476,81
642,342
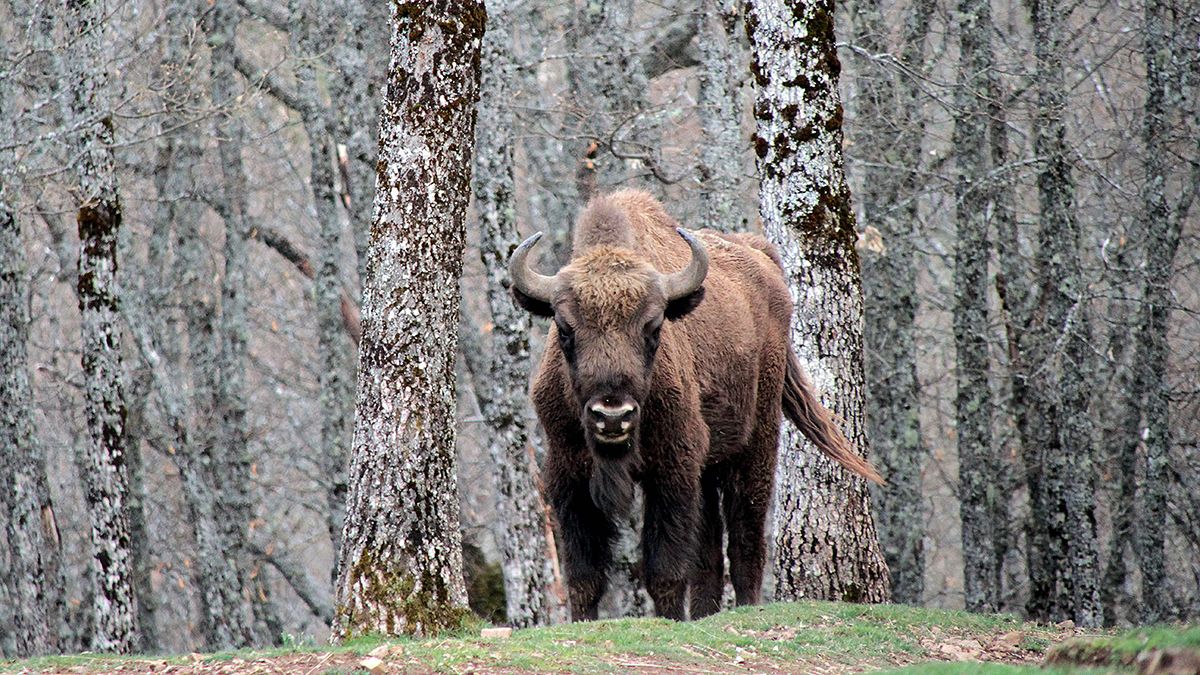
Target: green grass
781,636
1123,649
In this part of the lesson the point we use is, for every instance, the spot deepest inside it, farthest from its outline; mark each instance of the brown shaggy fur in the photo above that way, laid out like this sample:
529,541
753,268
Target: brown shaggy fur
710,401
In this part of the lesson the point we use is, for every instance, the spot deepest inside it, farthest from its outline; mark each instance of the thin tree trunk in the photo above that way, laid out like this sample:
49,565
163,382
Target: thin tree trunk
718,105
104,469
1150,371
400,567
32,585
229,462
892,129
973,403
1063,521
526,563
825,541
335,397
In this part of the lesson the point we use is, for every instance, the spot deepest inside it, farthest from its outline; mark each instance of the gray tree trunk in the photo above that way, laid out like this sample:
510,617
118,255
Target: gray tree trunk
105,474
31,591
1063,531
357,94
520,511
825,541
228,456
1163,230
891,129
719,107
973,405
335,396
400,566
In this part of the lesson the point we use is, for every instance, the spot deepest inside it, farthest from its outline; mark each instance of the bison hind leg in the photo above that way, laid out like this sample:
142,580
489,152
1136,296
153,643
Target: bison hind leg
708,579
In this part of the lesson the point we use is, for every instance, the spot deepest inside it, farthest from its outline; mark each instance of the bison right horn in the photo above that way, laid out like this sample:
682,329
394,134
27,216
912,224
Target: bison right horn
686,281
537,286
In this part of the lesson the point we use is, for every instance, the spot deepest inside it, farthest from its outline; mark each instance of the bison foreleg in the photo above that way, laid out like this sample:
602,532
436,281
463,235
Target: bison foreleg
587,537
669,540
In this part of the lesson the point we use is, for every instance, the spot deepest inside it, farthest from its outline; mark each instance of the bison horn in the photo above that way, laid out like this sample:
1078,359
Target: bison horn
687,280
537,286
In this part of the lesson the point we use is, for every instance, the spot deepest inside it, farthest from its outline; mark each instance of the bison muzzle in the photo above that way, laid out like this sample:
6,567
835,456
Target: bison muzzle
668,364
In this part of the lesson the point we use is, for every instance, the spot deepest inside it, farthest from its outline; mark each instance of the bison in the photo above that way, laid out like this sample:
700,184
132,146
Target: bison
668,364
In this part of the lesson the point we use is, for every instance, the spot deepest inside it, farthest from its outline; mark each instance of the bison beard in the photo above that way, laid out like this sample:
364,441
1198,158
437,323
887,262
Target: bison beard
668,364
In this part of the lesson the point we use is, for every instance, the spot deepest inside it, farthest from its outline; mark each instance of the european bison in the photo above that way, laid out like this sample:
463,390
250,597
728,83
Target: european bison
668,364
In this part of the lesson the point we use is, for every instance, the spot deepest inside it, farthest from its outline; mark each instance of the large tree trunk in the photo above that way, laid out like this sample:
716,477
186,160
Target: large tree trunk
105,474
891,130
973,403
520,512
1062,536
31,588
400,566
825,540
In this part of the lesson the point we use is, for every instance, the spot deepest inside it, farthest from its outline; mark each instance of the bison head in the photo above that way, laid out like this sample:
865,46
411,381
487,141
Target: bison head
608,306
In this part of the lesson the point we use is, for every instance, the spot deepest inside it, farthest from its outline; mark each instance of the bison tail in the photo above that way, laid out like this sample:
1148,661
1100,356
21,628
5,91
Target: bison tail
815,421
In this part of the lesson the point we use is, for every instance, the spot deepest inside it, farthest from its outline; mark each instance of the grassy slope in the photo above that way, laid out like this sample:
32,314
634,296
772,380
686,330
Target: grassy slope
794,637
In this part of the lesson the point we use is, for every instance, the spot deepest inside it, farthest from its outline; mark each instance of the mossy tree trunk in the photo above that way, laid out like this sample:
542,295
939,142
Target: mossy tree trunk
825,541
400,565
31,588
977,467
105,473
891,127
1064,565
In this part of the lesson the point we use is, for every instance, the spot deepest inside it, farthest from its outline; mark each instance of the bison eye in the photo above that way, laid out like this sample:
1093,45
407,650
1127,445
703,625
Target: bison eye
566,338
652,331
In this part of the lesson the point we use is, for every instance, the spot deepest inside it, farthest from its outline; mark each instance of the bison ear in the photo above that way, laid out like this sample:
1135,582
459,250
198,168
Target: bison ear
533,305
677,309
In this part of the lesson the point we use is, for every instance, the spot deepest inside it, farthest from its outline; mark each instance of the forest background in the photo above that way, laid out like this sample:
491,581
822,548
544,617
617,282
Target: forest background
1023,177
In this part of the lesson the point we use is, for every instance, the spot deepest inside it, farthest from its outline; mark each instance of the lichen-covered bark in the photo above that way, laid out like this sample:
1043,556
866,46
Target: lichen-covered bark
1064,569
890,129
105,474
31,587
400,566
335,397
1163,230
520,511
718,105
228,460
825,540
973,403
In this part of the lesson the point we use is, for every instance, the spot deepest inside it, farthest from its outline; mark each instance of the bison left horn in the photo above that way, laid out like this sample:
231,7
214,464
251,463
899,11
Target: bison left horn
537,286
688,280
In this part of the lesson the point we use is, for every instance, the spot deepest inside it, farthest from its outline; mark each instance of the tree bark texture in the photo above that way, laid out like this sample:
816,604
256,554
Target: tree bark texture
891,128
335,397
105,476
31,591
400,566
825,541
226,458
1063,529
520,511
719,108
977,470
1163,232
